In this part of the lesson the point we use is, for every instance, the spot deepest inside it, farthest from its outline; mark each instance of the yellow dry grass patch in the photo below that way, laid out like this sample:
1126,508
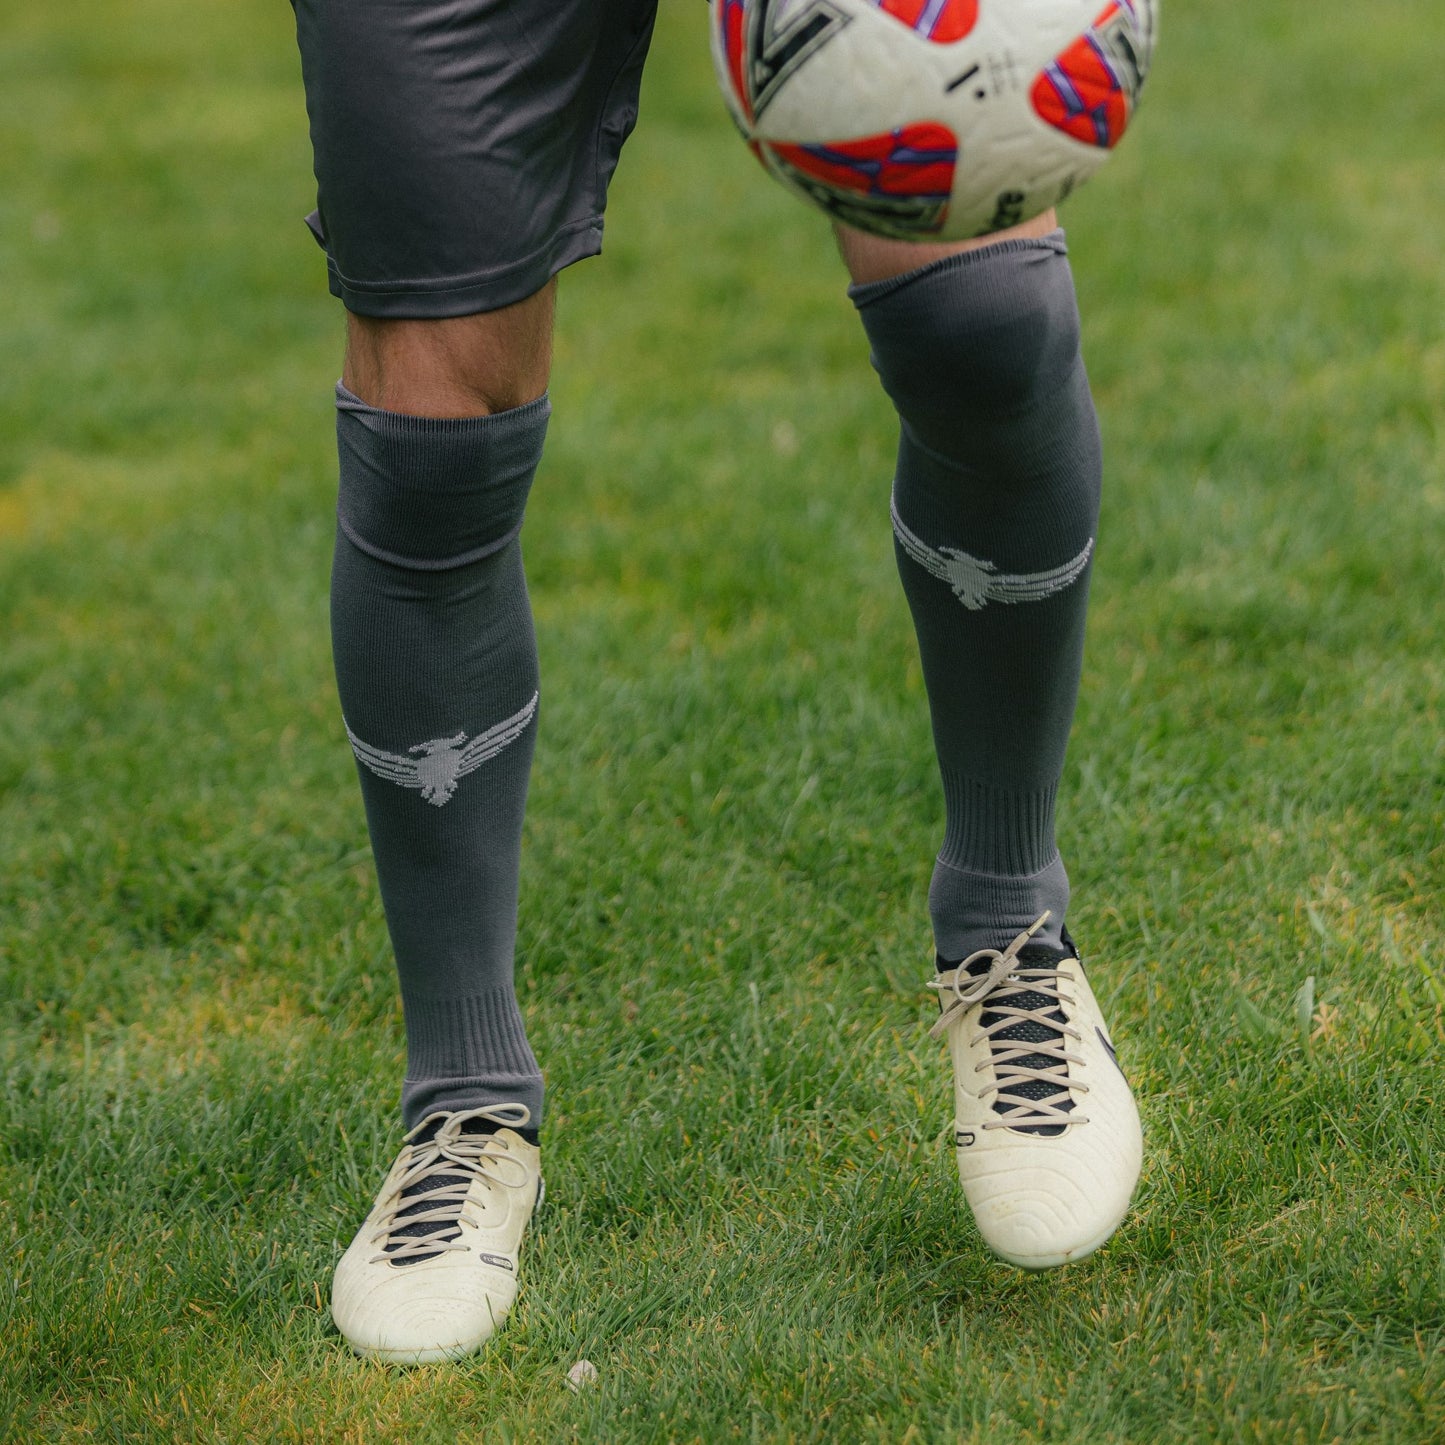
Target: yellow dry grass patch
184,1034
61,493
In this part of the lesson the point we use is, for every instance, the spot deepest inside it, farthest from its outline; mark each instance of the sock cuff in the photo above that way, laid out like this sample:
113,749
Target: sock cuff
435,492
477,1038
865,293
998,831
498,425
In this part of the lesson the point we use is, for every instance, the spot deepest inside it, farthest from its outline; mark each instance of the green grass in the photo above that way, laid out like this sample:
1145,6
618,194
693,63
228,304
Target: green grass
754,1231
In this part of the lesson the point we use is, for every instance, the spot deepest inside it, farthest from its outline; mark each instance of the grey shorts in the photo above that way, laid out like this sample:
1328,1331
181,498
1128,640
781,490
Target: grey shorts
463,148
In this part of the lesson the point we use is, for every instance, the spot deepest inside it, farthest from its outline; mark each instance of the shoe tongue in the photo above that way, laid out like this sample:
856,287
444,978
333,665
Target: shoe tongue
443,1230
1029,1031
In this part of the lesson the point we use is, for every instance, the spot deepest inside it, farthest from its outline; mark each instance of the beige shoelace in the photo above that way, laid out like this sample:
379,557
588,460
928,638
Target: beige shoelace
448,1153
999,991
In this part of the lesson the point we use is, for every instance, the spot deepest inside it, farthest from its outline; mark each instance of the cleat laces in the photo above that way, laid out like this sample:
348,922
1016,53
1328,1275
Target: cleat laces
424,1215
1024,1014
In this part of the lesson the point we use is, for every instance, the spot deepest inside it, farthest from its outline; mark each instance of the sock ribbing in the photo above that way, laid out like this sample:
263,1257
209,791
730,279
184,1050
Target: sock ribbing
997,830
465,1052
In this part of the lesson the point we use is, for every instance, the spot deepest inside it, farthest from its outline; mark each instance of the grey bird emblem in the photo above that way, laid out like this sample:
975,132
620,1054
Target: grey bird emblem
976,582
439,764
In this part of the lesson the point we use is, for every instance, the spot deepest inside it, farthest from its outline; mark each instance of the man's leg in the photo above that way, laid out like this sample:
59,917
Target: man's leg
462,159
995,505
440,426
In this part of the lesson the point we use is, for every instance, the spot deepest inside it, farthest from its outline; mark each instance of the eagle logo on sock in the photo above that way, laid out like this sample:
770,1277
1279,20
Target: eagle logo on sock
976,582
435,767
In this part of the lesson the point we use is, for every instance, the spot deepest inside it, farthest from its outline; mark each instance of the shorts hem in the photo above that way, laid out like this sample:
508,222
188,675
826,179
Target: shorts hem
467,295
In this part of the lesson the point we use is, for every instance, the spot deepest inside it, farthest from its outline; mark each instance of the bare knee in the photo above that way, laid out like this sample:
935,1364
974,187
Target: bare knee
456,366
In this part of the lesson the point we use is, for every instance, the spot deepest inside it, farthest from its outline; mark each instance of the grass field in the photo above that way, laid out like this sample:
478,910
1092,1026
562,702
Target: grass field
753,1226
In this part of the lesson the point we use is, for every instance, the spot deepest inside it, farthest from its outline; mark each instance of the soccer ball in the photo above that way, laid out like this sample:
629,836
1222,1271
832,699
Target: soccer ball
932,120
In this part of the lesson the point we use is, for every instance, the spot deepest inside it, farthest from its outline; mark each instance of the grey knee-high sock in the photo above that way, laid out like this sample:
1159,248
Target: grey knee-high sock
436,664
995,505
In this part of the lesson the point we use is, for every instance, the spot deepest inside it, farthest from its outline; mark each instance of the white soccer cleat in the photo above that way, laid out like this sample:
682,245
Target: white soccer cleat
1047,1134
432,1272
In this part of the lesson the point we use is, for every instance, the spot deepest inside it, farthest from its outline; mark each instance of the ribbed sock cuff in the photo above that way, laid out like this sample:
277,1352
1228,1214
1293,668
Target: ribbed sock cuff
997,830
465,1052
864,293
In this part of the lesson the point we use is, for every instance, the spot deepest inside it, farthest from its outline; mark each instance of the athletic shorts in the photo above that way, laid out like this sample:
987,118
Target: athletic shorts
463,148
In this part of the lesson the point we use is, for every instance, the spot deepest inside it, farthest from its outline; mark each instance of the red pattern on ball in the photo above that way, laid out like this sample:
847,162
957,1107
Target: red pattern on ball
914,160
941,21
734,32
1080,93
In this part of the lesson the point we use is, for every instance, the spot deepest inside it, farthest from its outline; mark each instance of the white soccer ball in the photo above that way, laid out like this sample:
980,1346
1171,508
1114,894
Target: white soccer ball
932,120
